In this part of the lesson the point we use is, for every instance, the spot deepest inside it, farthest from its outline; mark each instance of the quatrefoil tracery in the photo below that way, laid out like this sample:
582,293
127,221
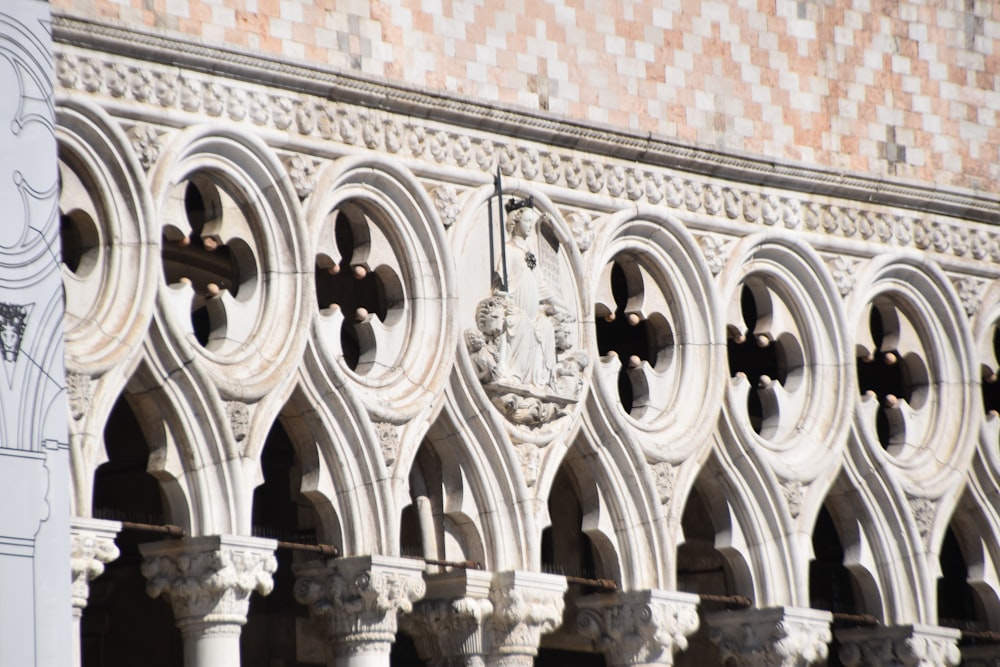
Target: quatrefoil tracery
358,280
632,325
892,370
764,351
209,249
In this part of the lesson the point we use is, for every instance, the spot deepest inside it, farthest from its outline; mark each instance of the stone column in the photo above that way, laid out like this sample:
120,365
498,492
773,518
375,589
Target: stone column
360,598
92,546
638,627
774,637
447,625
208,581
900,646
526,605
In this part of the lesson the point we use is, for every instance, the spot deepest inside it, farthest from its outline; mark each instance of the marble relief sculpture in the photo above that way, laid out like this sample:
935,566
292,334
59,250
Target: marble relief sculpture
524,345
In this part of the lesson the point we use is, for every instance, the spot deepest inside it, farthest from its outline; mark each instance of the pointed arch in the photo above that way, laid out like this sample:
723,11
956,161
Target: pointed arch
341,475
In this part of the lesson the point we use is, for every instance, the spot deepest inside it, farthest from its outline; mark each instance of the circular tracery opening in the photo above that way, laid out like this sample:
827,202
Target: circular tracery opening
211,264
368,292
638,335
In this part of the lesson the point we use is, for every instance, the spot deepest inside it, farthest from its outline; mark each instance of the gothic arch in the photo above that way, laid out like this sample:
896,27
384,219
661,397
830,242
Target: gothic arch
881,537
975,526
341,476
486,468
172,435
445,489
748,533
614,516
325,476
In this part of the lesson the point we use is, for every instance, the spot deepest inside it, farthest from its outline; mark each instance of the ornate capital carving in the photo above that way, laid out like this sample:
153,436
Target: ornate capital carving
776,637
92,546
639,627
208,580
360,598
525,606
900,646
447,626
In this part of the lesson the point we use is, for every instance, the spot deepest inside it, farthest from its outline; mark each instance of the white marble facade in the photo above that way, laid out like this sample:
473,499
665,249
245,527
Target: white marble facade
675,380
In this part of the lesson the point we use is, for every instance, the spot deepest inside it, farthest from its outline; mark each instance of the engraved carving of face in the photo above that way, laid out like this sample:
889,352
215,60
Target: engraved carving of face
522,222
490,316
563,335
11,338
474,340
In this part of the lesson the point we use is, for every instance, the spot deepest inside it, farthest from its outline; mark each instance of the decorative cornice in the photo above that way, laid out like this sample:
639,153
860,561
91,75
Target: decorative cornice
208,580
523,124
775,637
639,627
360,598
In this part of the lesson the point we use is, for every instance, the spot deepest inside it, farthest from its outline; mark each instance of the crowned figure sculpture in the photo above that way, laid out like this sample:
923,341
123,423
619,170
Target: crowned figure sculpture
524,344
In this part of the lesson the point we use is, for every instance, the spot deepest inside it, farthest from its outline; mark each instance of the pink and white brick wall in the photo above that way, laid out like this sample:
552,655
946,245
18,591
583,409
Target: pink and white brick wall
901,88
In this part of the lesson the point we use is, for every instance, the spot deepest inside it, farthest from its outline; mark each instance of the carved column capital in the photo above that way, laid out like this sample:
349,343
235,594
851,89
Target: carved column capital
92,546
209,579
360,598
775,637
526,605
447,626
639,627
900,646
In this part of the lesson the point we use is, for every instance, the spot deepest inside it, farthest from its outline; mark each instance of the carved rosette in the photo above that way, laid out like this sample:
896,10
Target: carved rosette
526,605
92,546
639,627
776,637
900,646
208,580
360,598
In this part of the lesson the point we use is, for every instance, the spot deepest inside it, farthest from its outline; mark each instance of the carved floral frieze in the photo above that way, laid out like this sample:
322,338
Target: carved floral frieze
351,125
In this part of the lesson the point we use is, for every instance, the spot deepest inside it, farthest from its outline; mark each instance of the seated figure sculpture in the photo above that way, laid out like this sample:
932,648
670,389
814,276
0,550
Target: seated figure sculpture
524,352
